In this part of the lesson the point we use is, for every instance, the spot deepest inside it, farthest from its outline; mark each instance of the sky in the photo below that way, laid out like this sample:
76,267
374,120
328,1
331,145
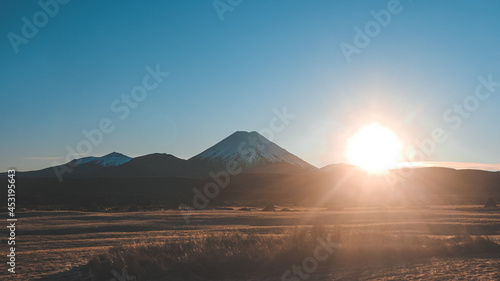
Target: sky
215,67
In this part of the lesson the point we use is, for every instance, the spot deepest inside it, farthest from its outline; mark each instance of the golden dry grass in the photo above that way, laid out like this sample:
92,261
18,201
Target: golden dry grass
58,245
222,256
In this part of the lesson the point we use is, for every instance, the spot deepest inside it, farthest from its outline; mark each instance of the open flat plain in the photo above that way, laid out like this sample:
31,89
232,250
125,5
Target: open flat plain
57,245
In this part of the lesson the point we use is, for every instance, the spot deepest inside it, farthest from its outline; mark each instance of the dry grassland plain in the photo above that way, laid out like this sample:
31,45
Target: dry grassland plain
374,243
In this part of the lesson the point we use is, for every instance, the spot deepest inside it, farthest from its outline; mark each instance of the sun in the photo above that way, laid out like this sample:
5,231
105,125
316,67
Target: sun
374,148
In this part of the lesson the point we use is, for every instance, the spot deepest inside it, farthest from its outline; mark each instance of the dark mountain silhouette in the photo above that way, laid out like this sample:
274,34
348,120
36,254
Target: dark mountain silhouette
87,167
151,165
266,173
248,152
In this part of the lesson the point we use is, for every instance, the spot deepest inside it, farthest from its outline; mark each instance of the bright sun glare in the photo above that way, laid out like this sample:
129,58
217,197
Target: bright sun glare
374,148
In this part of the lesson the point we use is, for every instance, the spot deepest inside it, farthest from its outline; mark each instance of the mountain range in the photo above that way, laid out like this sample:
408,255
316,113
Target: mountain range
252,169
249,151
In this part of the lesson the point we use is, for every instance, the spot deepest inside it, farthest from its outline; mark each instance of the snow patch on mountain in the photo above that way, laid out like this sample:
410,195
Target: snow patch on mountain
84,160
249,147
110,160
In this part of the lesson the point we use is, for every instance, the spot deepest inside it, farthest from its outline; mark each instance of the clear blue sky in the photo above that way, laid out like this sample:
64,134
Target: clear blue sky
229,75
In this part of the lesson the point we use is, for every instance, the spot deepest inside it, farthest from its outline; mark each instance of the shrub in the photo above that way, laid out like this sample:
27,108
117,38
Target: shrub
269,208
